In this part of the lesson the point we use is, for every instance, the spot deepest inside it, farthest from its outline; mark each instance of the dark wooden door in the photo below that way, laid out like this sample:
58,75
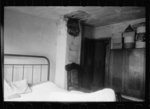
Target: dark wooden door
99,64
93,62
116,70
87,58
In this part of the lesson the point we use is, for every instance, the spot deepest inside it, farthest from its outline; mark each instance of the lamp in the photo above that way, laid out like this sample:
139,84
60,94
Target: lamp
140,36
129,37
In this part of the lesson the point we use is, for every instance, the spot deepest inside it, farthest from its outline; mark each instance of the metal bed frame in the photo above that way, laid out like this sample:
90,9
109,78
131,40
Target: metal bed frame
34,56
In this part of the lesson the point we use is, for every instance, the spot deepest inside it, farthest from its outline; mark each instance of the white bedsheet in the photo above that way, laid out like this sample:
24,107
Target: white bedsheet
48,91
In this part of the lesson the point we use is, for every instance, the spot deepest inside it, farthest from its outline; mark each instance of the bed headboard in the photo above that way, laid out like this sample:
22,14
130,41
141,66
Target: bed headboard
35,69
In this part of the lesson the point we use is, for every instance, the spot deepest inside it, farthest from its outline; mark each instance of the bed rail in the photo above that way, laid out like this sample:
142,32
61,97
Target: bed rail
42,69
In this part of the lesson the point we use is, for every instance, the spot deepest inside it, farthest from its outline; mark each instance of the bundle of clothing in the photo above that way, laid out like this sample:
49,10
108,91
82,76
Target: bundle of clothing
73,66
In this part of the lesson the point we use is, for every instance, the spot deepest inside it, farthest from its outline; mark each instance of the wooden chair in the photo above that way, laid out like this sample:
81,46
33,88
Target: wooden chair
73,82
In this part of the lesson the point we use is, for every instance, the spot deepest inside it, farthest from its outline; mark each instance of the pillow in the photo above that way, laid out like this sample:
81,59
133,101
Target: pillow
9,92
14,89
21,86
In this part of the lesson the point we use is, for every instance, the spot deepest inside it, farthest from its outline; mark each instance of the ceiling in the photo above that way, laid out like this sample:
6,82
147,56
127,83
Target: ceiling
96,16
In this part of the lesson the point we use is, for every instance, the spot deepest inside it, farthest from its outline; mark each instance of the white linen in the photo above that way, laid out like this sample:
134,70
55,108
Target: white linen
48,91
40,92
105,95
14,89
8,91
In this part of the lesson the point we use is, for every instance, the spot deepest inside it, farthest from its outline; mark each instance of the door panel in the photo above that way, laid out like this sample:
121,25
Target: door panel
93,62
127,72
116,70
99,64
87,59
134,81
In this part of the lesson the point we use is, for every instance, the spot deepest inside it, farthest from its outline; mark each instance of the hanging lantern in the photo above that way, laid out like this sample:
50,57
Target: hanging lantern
140,36
129,37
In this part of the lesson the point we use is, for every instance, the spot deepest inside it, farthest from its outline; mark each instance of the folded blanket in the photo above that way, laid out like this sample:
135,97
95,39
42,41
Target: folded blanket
14,89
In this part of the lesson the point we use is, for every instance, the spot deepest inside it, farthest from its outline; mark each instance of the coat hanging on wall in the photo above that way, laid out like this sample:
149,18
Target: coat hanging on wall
73,27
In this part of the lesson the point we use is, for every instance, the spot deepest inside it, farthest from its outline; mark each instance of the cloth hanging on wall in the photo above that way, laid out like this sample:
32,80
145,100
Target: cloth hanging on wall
73,27
72,66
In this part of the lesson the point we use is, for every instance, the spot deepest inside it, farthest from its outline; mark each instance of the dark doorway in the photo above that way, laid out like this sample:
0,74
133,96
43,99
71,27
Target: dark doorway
93,61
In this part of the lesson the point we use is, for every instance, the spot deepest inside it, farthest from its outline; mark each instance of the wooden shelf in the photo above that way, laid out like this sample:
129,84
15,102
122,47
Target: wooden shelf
127,48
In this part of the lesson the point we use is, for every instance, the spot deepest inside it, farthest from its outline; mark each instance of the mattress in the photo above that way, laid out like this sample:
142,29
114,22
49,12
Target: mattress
48,91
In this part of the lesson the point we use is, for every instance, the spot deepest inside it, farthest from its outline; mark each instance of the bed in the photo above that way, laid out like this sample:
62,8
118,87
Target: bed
29,77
